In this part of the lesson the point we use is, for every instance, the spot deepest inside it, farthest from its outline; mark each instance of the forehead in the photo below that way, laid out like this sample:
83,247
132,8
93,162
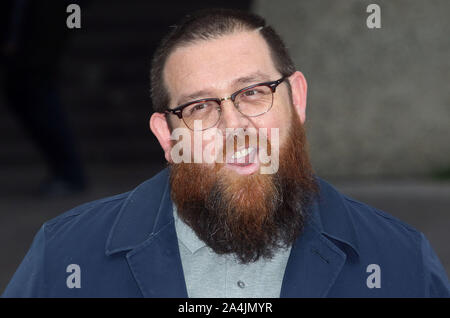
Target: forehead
212,65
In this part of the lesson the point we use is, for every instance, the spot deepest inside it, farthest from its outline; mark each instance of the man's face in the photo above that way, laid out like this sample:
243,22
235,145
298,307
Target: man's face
232,207
218,68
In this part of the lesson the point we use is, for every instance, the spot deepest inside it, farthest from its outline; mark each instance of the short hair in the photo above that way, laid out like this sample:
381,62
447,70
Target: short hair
211,24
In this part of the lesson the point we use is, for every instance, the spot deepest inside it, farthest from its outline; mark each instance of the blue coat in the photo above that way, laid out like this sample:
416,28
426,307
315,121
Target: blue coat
126,246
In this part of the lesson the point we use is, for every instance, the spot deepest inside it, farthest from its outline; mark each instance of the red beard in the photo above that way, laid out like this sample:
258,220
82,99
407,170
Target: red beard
248,215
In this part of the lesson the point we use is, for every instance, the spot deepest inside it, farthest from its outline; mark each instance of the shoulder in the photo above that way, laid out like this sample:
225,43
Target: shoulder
381,224
98,210
406,250
402,251
367,221
403,255
99,215
79,237
376,236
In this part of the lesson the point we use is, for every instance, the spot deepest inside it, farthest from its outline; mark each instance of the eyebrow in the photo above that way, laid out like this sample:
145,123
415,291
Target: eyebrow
248,79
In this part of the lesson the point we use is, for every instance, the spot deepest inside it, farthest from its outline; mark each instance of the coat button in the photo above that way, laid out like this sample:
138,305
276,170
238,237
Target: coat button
241,284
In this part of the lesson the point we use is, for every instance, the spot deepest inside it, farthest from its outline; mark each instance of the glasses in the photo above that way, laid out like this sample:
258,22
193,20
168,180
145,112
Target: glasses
251,101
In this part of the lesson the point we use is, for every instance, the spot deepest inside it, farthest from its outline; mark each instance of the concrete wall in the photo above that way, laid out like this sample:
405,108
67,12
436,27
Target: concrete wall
379,99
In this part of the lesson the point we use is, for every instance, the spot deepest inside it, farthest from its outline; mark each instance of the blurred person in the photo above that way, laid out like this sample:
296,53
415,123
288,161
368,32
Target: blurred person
33,39
229,228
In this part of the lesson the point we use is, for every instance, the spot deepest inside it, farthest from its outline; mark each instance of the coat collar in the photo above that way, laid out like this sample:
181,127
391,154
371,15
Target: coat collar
145,228
331,216
328,240
146,211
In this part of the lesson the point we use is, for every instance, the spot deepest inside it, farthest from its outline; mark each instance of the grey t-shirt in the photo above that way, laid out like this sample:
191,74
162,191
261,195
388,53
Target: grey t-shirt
208,274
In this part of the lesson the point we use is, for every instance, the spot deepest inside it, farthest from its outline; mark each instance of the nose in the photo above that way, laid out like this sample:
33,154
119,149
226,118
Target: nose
231,117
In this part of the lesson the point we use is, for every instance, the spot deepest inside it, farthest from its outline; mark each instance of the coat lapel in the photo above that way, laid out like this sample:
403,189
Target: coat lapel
145,228
313,266
320,252
156,265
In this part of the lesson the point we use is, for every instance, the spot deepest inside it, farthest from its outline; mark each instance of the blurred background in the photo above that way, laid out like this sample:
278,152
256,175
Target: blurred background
75,104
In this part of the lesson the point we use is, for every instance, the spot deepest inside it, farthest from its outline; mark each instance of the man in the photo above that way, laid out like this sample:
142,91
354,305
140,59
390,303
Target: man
239,211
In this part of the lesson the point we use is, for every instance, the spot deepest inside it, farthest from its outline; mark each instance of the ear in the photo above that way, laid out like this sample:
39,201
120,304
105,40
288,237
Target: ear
160,128
299,93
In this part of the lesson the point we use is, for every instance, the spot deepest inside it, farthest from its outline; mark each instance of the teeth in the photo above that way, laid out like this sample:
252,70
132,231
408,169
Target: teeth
242,153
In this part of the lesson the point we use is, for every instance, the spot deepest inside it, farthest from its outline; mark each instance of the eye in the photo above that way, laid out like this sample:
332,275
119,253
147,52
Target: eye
252,92
199,108
255,93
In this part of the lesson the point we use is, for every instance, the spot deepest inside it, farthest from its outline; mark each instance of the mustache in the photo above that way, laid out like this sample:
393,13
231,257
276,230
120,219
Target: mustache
239,139
227,146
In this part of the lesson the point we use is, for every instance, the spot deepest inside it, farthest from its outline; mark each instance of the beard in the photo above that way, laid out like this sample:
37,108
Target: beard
250,216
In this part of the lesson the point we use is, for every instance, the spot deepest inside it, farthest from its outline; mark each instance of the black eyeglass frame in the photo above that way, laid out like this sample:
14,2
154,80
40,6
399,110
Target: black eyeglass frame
272,85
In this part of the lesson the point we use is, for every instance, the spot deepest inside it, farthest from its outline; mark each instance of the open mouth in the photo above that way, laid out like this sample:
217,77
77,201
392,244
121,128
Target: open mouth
243,161
243,153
